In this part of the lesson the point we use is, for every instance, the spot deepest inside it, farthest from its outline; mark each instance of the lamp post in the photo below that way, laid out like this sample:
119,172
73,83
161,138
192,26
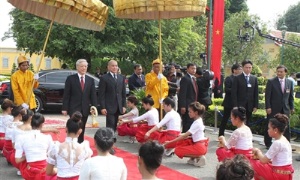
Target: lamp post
283,29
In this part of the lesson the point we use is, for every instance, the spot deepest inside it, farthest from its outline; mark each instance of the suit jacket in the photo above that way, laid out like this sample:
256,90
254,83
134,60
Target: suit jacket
112,93
242,95
227,102
134,82
75,99
203,91
187,93
276,100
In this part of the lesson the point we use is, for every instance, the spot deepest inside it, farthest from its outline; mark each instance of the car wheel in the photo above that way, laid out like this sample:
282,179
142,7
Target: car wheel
39,104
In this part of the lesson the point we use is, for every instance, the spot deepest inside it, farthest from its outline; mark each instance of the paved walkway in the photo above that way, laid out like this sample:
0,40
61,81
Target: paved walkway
204,173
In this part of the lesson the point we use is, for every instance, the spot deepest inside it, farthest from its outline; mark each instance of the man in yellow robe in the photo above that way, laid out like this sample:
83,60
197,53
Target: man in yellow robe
155,82
21,84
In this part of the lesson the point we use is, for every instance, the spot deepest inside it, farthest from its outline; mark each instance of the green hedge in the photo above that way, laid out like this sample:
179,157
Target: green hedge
261,89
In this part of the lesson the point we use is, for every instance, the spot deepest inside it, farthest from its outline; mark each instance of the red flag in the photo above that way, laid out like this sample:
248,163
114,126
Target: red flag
217,37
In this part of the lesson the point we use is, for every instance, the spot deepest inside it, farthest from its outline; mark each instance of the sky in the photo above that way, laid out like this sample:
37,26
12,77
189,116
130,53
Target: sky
268,10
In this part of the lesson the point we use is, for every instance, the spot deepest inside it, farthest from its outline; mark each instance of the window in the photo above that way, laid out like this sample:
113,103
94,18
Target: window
5,62
57,77
48,63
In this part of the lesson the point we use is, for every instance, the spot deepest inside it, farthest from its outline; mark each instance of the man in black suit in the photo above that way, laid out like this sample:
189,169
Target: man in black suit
236,69
137,79
203,88
244,91
187,94
112,95
79,94
279,99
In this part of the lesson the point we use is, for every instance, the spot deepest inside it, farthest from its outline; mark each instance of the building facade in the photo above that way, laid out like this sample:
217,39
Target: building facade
9,56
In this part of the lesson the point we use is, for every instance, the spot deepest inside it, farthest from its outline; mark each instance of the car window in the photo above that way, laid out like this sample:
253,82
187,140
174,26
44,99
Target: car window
57,77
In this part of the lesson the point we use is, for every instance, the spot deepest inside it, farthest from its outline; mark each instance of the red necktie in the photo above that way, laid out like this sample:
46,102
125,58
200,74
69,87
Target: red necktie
82,83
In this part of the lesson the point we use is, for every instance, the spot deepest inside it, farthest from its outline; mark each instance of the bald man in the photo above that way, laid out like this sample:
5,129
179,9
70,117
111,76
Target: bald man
112,94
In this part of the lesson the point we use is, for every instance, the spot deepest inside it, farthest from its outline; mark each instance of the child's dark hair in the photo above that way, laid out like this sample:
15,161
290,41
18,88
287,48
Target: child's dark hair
239,112
73,125
37,120
7,104
26,114
197,107
169,102
237,168
104,138
133,100
148,100
16,111
151,152
76,116
279,121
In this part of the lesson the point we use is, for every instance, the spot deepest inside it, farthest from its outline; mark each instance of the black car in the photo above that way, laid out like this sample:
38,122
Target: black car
49,93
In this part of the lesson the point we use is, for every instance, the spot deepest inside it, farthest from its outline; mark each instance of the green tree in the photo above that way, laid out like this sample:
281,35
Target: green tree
235,6
291,18
235,50
291,54
14,68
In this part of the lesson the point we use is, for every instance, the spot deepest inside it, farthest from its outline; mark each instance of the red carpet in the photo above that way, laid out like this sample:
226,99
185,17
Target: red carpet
131,162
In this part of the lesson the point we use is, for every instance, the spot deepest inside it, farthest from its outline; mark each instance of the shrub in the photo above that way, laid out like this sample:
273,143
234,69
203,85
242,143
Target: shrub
139,94
261,89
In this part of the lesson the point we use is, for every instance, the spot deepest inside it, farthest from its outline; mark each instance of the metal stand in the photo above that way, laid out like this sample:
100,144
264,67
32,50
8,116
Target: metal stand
215,131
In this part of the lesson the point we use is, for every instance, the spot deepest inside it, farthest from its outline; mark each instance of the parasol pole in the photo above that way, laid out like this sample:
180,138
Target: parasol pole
161,64
42,55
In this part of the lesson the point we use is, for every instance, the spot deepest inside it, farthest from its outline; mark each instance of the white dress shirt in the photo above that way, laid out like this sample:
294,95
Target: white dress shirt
5,120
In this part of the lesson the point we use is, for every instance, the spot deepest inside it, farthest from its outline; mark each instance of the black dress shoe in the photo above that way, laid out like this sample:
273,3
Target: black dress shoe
298,158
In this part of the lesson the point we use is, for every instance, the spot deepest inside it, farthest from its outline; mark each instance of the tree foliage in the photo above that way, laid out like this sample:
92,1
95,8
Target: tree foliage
291,18
235,50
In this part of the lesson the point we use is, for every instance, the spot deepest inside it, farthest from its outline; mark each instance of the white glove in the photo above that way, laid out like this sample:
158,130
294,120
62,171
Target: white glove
160,75
25,106
161,100
36,76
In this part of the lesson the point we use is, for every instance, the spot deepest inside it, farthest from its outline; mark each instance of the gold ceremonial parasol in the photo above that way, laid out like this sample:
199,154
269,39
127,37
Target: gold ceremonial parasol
84,14
157,10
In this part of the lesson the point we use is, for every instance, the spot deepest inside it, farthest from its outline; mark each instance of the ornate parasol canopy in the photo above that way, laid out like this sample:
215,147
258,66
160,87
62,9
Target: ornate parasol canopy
84,14
158,9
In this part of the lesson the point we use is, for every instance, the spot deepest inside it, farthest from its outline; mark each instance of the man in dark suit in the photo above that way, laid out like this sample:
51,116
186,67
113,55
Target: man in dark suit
79,94
137,79
244,91
236,69
187,94
203,88
112,95
279,99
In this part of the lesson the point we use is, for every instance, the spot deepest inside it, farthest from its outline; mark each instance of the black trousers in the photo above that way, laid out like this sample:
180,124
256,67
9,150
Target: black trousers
112,120
248,117
226,116
186,122
81,136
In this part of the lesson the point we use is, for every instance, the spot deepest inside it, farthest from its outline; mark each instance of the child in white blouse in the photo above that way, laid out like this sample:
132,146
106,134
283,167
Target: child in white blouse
151,116
8,146
31,150
104,165
240,142
277,162
5,119
194,147
69,156
129,129
171,120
